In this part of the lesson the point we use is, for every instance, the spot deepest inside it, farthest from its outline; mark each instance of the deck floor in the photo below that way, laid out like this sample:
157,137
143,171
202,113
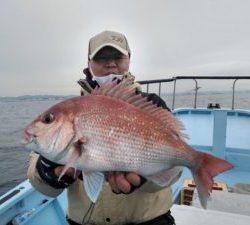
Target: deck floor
185,215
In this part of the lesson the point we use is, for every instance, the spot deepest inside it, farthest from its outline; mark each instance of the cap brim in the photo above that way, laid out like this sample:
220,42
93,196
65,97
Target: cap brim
123,51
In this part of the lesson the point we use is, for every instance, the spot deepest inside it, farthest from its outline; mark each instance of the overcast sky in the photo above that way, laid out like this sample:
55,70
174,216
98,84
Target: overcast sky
43,44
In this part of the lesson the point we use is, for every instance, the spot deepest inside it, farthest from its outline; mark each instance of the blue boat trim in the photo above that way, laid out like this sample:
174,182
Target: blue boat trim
9,196
243,114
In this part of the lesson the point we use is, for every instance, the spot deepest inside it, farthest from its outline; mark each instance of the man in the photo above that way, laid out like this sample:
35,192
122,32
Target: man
126,197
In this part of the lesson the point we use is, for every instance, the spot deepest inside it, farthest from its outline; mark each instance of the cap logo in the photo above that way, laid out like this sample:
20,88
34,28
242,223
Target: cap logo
116,38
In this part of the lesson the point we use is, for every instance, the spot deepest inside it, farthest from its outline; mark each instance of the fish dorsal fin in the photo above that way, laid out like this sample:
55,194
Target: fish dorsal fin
127,93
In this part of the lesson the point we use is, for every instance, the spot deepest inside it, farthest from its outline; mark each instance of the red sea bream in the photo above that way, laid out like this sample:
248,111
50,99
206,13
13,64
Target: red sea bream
114,129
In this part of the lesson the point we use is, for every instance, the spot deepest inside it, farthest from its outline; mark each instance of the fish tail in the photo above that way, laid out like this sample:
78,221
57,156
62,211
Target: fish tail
208,167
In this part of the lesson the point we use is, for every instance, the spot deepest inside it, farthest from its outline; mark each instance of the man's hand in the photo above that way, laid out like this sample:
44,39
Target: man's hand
124,182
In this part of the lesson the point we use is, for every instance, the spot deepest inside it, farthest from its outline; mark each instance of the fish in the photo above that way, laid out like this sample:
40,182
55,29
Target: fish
116,129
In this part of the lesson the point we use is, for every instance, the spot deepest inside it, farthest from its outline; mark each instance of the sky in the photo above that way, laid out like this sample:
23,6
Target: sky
43,44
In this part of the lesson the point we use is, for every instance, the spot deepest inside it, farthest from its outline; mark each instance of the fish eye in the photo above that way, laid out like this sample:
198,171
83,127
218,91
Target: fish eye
48,118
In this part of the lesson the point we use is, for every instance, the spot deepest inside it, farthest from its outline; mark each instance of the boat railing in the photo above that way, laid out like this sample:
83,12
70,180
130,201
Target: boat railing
195,79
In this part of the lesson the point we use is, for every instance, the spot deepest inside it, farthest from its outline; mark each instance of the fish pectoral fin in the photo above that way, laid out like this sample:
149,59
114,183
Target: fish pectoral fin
167,177
73,155
93,182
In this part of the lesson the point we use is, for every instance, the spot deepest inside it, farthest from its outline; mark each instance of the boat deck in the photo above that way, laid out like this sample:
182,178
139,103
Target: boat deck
191,215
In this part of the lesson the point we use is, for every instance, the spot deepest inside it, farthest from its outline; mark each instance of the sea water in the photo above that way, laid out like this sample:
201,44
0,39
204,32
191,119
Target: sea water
15,114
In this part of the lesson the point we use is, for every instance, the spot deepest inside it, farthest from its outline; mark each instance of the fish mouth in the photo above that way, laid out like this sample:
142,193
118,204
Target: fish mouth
28,138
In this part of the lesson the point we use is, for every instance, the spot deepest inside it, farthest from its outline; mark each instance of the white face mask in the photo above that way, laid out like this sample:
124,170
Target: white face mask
104,79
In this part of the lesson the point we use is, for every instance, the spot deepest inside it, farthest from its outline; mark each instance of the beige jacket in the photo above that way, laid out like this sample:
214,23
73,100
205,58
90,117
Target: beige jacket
145,203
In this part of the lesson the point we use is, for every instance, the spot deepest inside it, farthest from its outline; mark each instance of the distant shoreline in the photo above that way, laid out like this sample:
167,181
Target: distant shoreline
36,98
62,97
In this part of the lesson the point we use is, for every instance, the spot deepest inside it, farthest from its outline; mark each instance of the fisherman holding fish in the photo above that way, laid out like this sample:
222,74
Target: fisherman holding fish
90,145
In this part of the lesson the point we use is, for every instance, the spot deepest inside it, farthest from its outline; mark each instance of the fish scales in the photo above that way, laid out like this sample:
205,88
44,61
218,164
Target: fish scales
109,150
131,135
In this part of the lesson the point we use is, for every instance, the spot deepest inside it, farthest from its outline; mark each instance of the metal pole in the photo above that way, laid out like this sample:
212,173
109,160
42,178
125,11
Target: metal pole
233,93
159,89
173,102
195,94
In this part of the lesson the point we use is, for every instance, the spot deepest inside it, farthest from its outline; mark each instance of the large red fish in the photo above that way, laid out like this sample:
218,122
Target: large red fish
114,129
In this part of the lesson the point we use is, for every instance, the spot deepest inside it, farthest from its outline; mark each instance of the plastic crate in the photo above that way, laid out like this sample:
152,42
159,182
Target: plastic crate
188,190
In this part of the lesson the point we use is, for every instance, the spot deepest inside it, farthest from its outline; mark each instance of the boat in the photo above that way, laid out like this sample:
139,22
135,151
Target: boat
223,132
